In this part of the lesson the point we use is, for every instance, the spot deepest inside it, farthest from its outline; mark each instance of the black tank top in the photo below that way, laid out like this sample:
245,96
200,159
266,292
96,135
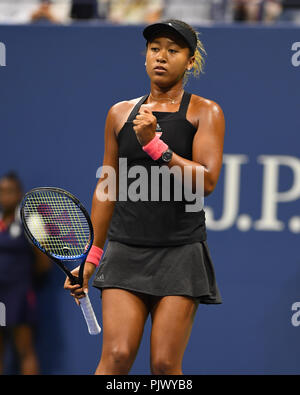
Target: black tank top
155,223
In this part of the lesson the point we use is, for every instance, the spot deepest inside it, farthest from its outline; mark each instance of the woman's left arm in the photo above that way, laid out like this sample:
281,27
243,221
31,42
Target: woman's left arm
207,145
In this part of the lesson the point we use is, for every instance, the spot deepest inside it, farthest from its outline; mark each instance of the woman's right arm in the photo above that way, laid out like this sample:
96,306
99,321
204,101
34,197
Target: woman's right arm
102,210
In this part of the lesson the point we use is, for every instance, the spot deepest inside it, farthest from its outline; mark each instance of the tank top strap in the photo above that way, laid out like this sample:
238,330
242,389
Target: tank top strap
185,101
136,108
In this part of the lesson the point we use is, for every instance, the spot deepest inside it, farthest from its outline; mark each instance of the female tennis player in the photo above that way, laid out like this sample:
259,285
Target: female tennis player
157,259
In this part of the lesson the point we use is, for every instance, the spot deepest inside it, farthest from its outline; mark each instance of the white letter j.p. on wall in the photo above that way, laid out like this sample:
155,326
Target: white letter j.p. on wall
2,314
2,54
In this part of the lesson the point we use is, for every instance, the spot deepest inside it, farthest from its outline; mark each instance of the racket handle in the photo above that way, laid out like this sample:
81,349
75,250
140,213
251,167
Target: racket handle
89,315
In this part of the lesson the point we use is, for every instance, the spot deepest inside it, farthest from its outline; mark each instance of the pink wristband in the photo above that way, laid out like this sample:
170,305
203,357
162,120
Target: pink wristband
155,147
95,255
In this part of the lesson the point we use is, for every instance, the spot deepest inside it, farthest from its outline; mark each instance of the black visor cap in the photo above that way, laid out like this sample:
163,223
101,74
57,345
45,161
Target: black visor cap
172,27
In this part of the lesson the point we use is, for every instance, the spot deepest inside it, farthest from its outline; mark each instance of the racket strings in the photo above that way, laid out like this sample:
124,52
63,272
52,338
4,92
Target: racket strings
57,223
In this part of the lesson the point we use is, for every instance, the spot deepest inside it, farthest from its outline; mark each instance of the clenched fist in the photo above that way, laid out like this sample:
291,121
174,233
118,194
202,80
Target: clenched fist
144,125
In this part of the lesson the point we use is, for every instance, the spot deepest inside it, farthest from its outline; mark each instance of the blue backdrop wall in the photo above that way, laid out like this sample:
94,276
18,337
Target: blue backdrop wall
56,86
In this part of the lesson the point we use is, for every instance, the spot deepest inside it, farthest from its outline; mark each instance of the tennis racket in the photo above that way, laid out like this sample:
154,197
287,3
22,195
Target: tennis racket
57,223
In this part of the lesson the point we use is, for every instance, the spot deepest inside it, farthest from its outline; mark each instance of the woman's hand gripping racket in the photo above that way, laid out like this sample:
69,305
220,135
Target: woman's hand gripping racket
56,222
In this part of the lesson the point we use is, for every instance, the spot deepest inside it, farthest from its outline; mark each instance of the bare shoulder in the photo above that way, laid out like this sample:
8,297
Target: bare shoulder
201,104
119,112
201,109
123,106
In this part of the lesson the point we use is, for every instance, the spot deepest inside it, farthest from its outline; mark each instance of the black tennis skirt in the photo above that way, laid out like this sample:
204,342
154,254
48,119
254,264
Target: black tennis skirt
185,270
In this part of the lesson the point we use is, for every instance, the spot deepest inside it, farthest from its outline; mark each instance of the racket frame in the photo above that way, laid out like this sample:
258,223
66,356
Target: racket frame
85,304
59,259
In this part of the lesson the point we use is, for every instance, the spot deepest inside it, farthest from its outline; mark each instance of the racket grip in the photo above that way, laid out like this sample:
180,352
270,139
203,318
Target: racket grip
89,315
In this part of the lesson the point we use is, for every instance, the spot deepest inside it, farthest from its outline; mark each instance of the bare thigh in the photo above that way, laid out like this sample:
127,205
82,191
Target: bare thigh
23,336
172,321
124,314
24,341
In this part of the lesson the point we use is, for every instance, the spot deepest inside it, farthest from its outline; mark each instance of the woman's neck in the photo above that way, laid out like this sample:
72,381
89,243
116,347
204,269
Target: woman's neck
174,91
171,95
